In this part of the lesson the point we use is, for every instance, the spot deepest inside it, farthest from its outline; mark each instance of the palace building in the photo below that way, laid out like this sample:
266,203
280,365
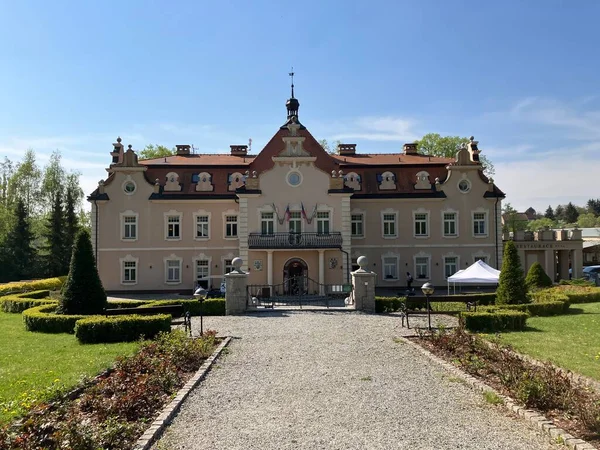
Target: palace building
292,210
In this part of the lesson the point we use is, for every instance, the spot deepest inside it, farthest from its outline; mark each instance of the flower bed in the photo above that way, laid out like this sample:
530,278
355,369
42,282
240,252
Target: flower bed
114,412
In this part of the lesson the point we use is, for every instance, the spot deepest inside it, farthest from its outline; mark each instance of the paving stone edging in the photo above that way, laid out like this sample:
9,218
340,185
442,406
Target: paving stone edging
547,427
169,412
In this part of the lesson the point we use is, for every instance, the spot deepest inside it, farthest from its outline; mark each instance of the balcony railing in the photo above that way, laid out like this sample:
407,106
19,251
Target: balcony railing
295,240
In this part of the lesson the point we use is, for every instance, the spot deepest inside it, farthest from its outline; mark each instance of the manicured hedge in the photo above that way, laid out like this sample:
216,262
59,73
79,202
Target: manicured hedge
389,304
96,329
210,307
51,284
484,298
20,302
116,304
501,320
43,319
555,308
580,294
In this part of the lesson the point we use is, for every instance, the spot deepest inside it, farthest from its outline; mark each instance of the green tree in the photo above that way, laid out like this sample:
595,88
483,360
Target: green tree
586,221
18,253
536,277
549,214
593,206
24,184
156,151
511,288
71,223
53,180
559,213
56,260
330,148
571,213
447,146
512,220
83,292
540,224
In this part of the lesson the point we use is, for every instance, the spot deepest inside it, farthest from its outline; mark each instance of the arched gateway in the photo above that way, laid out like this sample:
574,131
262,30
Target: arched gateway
295,276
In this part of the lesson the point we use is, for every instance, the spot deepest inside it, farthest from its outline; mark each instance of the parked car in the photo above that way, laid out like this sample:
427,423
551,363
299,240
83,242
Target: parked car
591,272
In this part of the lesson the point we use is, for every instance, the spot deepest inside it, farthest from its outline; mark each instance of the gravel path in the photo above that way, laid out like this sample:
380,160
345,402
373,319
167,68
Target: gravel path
335,380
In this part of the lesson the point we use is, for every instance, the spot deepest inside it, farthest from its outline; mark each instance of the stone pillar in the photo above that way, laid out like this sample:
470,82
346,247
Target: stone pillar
321,272
270,270
549,260
363,286
563,270
236,293
577,262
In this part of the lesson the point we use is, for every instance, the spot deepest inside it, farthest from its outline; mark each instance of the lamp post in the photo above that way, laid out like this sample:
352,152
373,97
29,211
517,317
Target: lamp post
200,295
428,290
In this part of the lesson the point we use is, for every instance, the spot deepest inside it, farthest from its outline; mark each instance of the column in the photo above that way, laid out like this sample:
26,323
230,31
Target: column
236,293
577,262
549,263
563,270
363,287
321,272
270,270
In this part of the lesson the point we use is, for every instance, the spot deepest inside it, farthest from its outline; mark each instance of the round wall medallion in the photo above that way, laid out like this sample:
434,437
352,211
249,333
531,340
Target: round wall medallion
294,178
464,186
129,187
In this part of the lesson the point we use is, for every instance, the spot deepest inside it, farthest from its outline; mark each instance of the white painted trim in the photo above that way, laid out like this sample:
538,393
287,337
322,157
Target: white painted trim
389,211
172,213
450,255
231,212
266,209
390,255
363,213
165,249
427,223
481,254
456,223
229,256
129,258
201,257
129,213
172,257
201,212
487,223
422,254
129,180
324,208
296,171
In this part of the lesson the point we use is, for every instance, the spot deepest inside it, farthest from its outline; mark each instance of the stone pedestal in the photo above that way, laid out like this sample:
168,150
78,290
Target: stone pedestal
363,287
236,294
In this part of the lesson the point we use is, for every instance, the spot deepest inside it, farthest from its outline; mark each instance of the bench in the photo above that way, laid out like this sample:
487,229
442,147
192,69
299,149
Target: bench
410,301
176,312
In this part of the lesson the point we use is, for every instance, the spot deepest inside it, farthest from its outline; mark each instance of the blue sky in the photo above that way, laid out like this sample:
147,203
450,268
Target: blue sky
522,77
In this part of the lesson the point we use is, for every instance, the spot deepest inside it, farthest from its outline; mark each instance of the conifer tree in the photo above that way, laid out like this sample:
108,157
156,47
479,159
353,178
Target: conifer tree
549,214
57,258
536,277
18,253
511,288
71,222
83,292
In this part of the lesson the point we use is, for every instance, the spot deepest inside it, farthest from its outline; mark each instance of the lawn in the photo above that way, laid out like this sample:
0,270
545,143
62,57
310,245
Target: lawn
570,341
34,365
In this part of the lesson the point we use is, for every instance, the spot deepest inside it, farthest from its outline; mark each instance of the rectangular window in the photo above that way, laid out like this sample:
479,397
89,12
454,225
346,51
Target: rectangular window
202,227
228,265
390,268
173,271
129,271
479,224
173,230
389,225
267,223
231,226
422,267
130,227
480,258
357,225
449,224
202,269
323,222
421,224
450,266
295,222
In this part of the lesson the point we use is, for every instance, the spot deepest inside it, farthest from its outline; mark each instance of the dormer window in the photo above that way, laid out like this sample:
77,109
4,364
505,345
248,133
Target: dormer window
387,181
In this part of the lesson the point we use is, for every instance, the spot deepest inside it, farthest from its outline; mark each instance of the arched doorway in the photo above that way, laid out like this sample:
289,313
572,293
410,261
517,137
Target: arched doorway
295,276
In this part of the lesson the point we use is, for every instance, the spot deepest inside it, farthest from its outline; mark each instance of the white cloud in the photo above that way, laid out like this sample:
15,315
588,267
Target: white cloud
379,129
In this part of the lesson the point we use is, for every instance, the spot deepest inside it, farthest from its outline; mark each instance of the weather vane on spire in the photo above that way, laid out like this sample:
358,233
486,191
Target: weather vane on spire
292,77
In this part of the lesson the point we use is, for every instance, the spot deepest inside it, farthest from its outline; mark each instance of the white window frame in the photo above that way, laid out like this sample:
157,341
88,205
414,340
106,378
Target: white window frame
485,222
266,209
202,257
383,266
179,261
173,213
295,220
481,255
267,221
227,214
456,222
393,212
322,221
227,265
360,213
123,215
129,259
201,213
424,212
426,256
450,255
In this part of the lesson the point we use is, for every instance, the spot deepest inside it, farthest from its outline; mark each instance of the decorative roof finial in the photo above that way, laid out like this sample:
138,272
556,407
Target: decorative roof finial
292,77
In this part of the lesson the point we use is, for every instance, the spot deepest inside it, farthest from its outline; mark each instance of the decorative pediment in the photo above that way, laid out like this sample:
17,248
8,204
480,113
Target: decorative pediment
172,183
423,180
294,147
204,182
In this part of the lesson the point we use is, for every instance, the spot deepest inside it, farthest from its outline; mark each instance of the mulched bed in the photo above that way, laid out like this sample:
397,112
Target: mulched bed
572,406
114,411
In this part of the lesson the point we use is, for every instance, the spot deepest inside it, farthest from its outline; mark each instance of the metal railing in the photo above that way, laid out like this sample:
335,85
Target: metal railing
295,240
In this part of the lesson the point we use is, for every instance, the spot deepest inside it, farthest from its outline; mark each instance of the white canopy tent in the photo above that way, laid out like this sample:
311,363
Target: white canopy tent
477,273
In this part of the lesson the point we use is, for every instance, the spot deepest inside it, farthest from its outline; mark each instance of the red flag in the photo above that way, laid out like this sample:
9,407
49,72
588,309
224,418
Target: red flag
303,212
287,213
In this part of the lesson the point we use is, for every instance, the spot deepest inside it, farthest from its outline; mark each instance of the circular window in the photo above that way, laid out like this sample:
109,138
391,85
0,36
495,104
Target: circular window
464,186
129,187
294,178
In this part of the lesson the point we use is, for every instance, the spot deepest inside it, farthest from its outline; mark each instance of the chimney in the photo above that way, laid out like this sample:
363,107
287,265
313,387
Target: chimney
346,149
183,150
410,149
239,150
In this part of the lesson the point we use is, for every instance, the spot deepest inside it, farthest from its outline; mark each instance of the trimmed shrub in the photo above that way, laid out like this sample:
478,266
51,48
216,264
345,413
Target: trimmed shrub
45,320
555,308
210,307
116,304
52,284
120,328
501,320
20,302
536,277
83,292
580,294
511,287
389,304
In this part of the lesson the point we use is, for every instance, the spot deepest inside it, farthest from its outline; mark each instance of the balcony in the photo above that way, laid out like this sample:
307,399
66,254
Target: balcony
294,240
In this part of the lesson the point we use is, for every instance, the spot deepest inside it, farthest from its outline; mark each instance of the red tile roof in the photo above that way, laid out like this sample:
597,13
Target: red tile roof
200,159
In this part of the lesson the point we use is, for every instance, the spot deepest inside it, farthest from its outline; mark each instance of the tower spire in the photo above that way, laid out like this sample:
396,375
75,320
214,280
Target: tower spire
292,104
292,77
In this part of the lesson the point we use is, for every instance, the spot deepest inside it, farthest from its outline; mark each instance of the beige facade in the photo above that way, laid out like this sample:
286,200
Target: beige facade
171,223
